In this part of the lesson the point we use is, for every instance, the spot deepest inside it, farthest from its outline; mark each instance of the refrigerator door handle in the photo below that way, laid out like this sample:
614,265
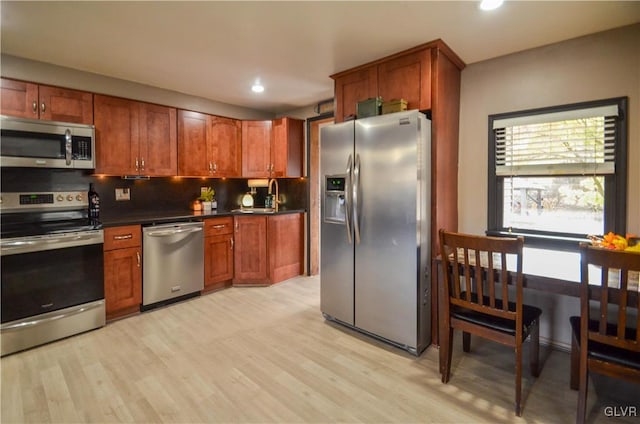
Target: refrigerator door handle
355,193
347,215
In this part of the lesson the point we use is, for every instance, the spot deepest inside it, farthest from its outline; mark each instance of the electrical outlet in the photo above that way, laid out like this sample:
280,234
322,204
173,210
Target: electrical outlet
123,194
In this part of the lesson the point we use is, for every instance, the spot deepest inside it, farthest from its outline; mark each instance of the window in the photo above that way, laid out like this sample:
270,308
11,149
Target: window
558,174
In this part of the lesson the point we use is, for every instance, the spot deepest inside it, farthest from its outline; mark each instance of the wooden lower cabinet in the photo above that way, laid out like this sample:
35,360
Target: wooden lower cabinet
218,253
250,256
122,270
285,235
268,249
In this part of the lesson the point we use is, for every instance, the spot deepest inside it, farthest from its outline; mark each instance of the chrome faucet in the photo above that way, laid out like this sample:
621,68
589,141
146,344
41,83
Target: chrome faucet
276,199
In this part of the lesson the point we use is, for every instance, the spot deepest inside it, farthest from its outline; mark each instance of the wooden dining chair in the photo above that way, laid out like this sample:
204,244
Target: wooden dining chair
476,299
609,323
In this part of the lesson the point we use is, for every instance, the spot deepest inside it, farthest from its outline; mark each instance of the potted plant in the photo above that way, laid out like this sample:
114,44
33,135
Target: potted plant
207,199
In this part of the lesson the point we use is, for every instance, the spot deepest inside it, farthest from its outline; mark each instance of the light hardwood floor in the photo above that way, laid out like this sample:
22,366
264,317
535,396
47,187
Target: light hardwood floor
267,355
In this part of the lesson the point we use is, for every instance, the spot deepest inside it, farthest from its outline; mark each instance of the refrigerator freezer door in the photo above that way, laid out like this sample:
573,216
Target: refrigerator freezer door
391,160
336,248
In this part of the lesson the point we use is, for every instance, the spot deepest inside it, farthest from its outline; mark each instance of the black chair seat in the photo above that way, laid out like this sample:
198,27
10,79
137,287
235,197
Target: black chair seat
529,315
607,352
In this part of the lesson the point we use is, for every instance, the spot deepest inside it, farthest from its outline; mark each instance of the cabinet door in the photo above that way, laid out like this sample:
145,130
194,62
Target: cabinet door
19,98
122,280
352,88
256,149
158,141
250,256
285,234
218,259
117,134
225,146
286,147
407,77
193,159
65,105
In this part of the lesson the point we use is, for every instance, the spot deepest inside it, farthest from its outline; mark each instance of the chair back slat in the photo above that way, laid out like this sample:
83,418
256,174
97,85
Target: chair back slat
615,329
604,302
504,278
622,316
467,273
469,260
638,315
492,282
478,278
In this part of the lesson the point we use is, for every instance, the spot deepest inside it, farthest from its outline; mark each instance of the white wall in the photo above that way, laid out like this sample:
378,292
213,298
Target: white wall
593,67
44,73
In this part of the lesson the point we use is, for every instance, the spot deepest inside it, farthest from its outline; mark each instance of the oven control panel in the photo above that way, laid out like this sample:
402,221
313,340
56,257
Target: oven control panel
16,202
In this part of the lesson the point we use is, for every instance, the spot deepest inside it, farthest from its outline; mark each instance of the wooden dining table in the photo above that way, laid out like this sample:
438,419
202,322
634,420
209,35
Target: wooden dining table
550,271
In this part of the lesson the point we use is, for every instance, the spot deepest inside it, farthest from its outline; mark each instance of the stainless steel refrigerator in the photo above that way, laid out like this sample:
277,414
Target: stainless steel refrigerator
375,219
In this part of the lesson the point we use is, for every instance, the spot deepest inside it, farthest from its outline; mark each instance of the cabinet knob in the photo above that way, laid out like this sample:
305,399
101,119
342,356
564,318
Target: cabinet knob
138,257
34,106
137,165
43,107
231,243
142,164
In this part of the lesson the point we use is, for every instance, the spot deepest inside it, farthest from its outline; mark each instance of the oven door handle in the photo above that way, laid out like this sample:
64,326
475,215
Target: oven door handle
28,245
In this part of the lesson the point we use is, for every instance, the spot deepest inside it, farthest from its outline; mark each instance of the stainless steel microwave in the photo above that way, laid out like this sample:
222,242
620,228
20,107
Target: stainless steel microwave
46,144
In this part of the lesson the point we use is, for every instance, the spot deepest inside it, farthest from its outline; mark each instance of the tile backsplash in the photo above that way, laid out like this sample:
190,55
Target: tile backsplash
161,194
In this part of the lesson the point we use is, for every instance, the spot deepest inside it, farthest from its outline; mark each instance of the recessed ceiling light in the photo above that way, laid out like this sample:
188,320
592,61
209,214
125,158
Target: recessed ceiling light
257,87
490,4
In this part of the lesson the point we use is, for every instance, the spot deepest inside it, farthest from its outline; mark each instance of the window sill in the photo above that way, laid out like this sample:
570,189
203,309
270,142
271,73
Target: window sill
543,241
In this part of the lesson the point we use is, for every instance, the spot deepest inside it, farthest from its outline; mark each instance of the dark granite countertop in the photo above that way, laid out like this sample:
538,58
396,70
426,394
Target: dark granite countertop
151,217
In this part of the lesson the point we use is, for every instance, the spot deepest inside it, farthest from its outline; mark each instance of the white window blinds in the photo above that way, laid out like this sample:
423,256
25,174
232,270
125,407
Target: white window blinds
572,142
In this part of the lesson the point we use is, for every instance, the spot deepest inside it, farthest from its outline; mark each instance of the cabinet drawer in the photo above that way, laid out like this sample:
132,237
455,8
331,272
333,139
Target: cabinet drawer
121,237
218,226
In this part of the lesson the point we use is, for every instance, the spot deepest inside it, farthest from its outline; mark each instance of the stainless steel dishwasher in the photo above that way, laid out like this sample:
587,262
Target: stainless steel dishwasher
172,262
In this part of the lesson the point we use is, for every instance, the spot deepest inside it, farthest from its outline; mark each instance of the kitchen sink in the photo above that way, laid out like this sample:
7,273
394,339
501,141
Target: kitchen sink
255,210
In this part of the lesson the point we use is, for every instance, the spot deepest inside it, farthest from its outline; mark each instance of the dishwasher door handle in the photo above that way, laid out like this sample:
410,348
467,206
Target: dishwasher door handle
173,232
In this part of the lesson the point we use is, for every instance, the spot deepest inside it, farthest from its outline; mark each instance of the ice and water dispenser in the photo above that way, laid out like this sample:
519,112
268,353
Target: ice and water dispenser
334,199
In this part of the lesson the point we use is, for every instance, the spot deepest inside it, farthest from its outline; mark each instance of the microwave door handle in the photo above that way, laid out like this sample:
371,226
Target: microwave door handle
67,146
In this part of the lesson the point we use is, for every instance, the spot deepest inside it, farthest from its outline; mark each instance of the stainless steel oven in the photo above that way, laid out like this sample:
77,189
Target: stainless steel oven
52,269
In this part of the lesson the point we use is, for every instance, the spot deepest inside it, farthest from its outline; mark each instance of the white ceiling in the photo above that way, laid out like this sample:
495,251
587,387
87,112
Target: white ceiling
216,50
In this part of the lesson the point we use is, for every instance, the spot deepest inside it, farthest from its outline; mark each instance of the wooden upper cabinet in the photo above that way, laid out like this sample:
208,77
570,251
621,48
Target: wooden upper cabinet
158,147
61,104
19,98
117,135
193,128
350,88
286,148
134,138
224,147
29,100
208,146
256,149
407,77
